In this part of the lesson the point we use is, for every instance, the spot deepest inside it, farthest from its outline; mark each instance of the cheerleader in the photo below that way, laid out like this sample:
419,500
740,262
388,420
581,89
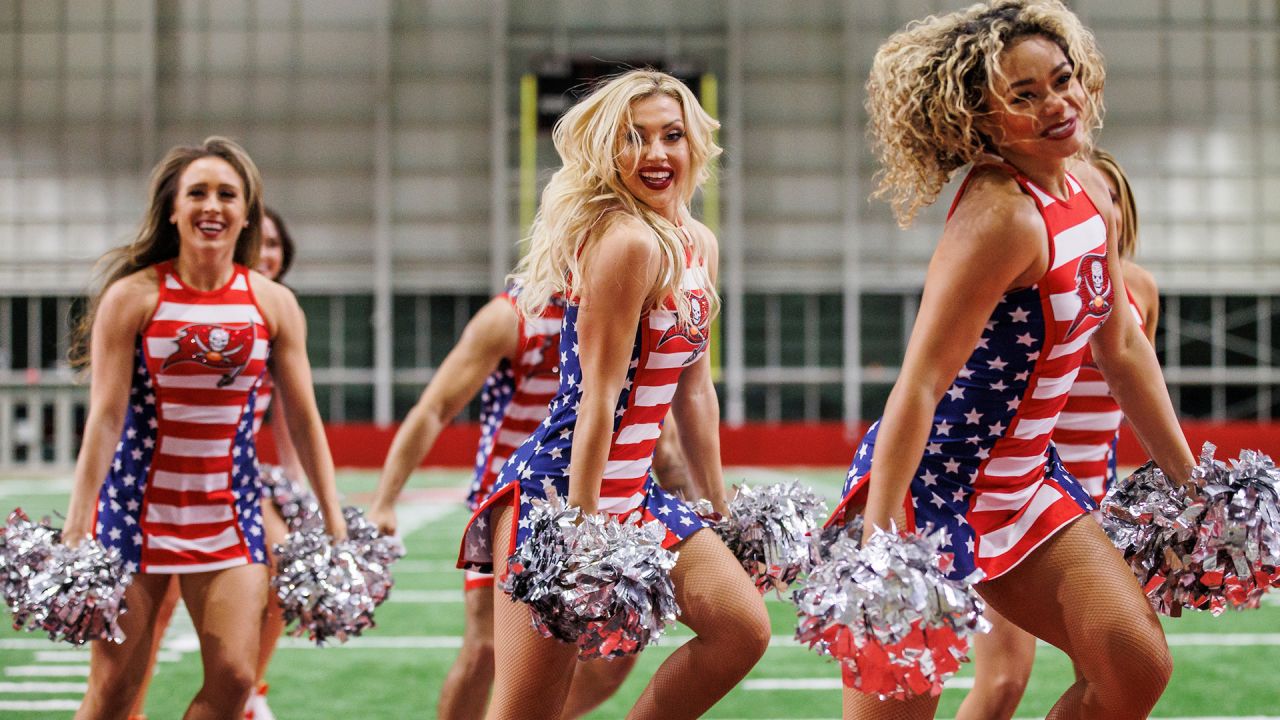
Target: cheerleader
615,237
1025,278
166,472
1085,438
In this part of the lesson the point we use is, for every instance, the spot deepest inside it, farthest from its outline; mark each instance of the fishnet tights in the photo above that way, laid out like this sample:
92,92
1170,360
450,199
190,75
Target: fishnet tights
718,602
1076,593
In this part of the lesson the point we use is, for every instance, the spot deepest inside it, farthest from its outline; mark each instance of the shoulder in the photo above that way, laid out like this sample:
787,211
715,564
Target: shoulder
1142,284
494,330
994,209
133,297
625,239
278,303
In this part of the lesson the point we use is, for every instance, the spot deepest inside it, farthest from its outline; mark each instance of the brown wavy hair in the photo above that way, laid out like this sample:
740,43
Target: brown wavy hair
929,83
157,238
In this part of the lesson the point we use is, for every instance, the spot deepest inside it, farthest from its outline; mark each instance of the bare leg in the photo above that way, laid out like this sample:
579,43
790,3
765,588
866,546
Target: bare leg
531,673
718,602
226,606
594,682
1002,661
116,672
274,532
466,687
163,616
861,706
1076,593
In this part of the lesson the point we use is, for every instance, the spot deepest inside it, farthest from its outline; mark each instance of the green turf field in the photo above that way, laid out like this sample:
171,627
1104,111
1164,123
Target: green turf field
1225,667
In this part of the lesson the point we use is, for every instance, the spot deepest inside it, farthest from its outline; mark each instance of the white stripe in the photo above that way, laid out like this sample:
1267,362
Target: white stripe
163,347
542,326
1066,306
654,395
1090,388
188,514
626,469
1045,198
189,482
619,504
496,464
998,542
1052,387
769,684
203,414
239,283
638,433
517,411
454,596
662,320
257,422
541,386
1015,500
1013,466
203,567
1082,453
206,381
43,687
1068,348
513,438
187,447
1090,420
532,357
1075,186
60,656
661,361
171,282
1094,484
40,705
1075,241
212,314
212,543
47,671
1027,428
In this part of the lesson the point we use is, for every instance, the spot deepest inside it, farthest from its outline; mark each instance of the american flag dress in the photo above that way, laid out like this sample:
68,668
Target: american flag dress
514,401
181,494
1089,426
990,479
661,352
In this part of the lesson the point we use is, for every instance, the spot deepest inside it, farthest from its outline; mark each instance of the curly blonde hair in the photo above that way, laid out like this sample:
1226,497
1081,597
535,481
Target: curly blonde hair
587,192
929,84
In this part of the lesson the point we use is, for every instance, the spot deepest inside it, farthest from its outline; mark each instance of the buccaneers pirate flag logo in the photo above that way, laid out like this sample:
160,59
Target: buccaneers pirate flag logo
695,332
219,347
1093,286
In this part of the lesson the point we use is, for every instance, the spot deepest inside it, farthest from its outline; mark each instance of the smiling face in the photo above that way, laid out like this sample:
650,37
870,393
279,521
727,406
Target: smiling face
209,209
1037,104
654,162
271,255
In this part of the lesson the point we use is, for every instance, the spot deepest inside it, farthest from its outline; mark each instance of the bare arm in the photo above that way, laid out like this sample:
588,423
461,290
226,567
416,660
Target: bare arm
1129,364
1145,291
616,279
122,313
287,453
492,335
292,372
995,241
669,464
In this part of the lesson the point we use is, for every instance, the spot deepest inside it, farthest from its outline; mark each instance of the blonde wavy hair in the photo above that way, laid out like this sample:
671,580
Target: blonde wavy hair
929,84
157,238
587,193
1127,237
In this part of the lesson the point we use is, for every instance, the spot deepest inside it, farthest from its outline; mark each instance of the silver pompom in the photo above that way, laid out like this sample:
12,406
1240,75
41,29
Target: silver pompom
329,590
888,613
768,531
1211,545
295,501
601,583
73,594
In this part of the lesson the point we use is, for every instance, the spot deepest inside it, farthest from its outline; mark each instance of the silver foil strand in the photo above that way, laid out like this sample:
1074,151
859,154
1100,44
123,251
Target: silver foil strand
768,531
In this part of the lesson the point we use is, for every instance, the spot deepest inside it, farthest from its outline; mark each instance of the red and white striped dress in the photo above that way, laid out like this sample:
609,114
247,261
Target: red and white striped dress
181,495
1089,425
989,477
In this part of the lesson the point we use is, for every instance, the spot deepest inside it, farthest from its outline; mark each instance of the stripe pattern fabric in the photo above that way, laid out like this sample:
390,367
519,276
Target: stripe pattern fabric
515,397
663,348
181,494
1089,426
989,478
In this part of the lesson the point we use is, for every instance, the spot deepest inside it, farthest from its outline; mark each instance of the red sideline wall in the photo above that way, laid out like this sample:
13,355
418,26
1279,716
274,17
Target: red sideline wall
788,444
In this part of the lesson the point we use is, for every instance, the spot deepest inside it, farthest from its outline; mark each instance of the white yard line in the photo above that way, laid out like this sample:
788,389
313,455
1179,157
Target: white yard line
47,671
43,687
39,705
